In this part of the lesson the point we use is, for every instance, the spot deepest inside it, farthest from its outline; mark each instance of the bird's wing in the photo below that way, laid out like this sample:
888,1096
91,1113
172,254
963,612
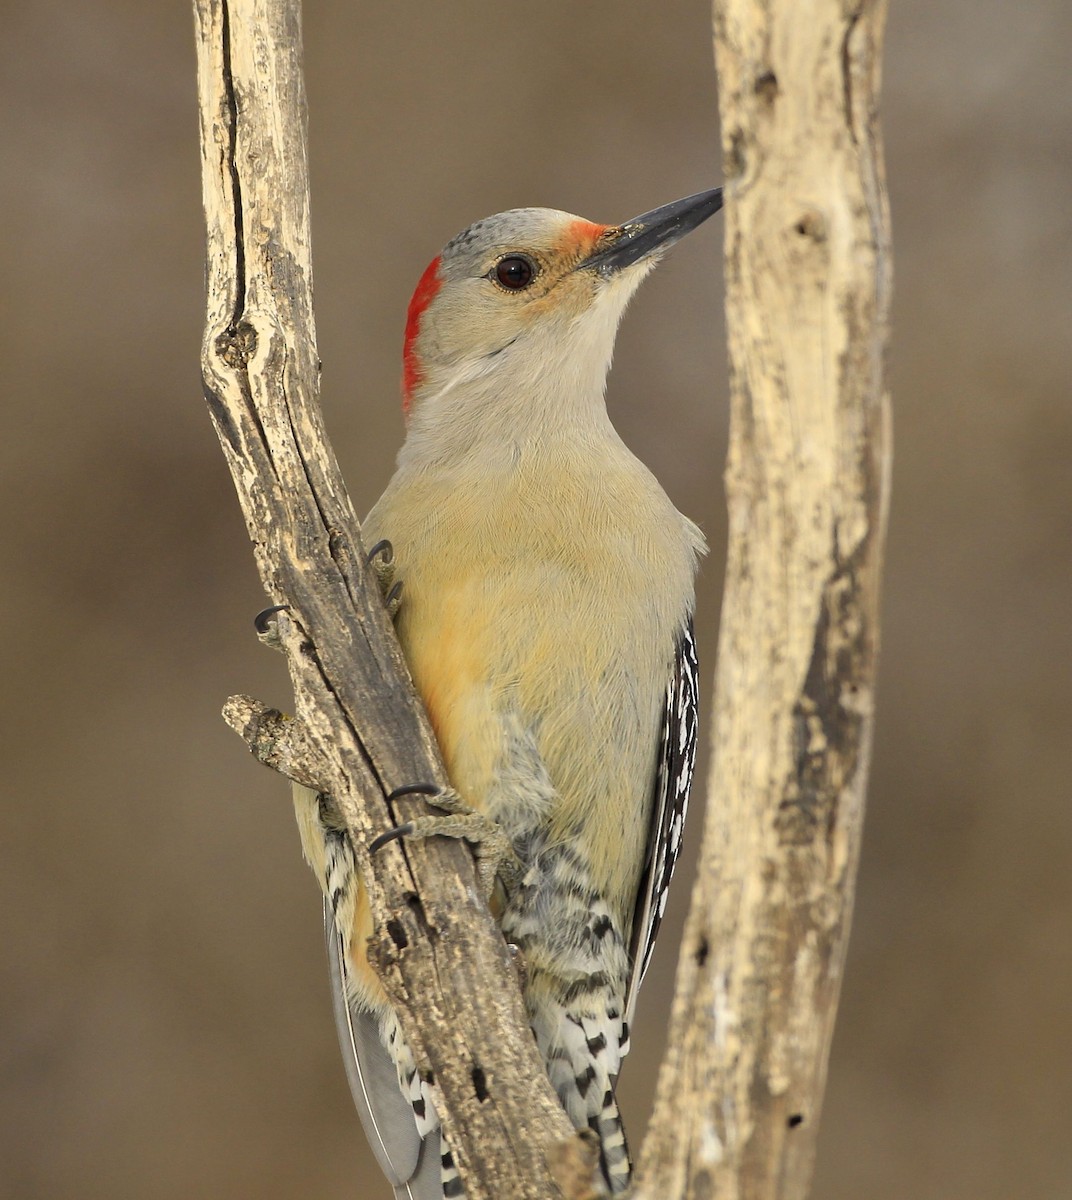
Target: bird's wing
673,780
410,1162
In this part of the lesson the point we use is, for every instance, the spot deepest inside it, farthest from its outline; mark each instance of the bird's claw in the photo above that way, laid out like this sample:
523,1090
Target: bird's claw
381,558
494,853
267,627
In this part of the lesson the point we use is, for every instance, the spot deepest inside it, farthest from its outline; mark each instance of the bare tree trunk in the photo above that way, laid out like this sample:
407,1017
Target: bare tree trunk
808,287
360,730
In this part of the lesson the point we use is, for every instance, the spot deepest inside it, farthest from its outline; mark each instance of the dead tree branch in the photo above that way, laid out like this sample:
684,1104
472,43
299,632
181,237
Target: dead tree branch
359,731
808,288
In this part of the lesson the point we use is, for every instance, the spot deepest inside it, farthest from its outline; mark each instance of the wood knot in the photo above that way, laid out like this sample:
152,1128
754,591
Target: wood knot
810,224
237,344
766,88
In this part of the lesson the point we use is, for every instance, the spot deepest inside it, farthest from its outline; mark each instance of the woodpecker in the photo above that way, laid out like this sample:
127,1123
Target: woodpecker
546,619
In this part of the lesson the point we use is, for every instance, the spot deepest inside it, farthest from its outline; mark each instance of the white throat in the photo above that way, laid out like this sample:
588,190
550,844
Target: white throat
546,384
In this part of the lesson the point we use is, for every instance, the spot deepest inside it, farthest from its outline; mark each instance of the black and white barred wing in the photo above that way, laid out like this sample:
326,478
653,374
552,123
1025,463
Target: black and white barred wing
673,781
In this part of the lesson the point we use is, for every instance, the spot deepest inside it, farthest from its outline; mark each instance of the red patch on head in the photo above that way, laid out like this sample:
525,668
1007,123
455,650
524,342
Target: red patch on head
423,295
583,234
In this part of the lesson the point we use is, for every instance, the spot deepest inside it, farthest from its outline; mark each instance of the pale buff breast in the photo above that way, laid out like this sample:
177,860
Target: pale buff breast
542,596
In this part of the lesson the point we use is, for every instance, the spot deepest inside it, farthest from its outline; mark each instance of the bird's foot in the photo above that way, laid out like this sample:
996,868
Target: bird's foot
381,558
494,853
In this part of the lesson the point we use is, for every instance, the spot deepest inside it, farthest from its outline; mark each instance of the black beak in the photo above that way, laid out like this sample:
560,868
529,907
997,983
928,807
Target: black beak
655,230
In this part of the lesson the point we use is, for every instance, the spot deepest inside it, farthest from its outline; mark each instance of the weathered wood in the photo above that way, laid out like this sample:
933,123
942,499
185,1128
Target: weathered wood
362,729
808,286
276,740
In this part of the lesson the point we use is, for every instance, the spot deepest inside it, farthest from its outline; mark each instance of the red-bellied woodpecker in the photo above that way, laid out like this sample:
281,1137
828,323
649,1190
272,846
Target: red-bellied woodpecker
547,621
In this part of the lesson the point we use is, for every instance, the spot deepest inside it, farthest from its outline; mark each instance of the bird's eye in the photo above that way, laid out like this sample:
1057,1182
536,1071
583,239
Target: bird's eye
515,272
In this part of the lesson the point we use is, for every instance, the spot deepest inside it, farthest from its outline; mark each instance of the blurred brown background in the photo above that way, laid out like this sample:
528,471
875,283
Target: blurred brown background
165,1027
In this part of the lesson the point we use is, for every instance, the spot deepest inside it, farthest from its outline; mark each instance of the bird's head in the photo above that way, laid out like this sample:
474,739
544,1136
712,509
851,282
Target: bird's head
532,296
